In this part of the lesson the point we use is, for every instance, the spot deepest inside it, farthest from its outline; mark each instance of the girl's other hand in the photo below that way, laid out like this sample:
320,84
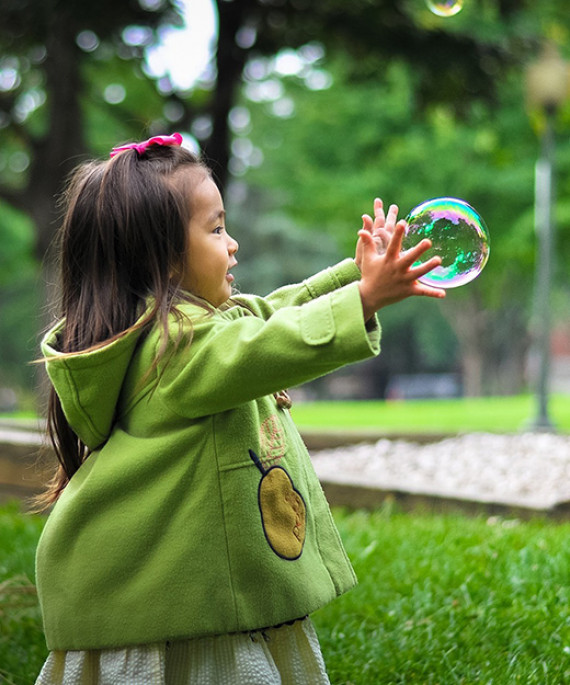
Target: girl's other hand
380,228
390,277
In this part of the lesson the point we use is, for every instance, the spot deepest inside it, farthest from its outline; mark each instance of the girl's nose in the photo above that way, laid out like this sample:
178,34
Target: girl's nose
233,245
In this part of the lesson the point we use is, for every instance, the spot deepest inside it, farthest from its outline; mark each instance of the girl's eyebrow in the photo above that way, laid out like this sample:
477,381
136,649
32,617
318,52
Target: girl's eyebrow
218,215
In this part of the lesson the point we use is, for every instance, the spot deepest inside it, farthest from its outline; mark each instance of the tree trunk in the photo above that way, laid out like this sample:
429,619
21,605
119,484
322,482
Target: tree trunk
472,365
54,155
230,61
493,345
60,149
468,320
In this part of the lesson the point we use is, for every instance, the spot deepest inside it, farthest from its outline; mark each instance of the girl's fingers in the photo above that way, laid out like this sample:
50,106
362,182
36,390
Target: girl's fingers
426,267
379,217
429,291
367,223
366,239
391,216
414,253
383,236
395,245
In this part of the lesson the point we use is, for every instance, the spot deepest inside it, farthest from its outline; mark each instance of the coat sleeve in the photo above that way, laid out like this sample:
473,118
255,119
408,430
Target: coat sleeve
235,356
299,293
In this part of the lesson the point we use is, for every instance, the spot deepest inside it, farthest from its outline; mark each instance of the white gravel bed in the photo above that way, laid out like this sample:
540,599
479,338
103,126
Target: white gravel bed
529,470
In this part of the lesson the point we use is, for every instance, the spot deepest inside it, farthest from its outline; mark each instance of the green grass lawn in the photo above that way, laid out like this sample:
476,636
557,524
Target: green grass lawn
442,599
449,599
22,646
508,414
491,414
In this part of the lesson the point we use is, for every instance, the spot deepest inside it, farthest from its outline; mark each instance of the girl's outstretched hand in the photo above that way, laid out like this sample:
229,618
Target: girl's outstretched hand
390,276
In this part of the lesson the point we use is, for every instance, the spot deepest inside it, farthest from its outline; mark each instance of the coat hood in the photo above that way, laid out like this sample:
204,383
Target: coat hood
89,383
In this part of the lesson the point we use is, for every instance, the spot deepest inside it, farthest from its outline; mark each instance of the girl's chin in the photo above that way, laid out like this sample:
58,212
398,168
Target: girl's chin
223,297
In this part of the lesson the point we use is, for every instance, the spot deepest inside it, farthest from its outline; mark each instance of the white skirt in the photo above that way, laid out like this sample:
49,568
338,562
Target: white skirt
288,655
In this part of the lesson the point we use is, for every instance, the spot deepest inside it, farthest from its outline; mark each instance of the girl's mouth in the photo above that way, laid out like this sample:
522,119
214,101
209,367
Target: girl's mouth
230,277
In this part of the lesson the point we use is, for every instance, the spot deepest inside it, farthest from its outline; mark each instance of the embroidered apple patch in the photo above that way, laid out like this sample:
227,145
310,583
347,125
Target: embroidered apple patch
283,510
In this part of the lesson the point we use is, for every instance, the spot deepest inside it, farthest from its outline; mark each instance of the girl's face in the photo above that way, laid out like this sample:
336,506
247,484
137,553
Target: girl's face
211,249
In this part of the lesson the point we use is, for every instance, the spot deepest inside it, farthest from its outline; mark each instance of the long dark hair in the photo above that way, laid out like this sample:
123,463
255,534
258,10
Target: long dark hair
123,237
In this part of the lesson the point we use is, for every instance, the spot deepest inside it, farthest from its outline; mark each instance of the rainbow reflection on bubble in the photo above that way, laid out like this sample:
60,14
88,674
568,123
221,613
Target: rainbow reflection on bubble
458,235
445,8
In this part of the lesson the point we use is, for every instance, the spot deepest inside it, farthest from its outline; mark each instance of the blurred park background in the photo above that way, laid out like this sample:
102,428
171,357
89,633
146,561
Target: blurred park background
306,112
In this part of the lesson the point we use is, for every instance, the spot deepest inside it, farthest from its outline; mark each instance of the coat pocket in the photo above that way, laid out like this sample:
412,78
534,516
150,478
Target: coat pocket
317,321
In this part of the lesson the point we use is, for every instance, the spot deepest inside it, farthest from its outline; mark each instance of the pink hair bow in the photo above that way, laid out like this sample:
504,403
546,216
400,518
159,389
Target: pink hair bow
174,139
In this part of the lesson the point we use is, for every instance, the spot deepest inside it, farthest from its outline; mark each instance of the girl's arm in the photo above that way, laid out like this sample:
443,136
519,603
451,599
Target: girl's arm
235,357
297,294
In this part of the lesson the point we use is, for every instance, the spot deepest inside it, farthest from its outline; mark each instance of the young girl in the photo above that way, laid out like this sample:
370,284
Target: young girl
190,537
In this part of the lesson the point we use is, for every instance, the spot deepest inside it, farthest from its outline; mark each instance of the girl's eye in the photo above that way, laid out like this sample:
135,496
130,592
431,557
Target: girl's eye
218,229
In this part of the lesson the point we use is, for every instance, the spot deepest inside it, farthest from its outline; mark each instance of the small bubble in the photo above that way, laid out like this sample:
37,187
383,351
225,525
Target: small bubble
445,8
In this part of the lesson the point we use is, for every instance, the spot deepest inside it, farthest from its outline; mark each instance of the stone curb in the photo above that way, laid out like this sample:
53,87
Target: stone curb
22,475
363,497
317,439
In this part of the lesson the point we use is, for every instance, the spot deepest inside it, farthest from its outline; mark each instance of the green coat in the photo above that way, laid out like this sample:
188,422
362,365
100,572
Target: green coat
198,512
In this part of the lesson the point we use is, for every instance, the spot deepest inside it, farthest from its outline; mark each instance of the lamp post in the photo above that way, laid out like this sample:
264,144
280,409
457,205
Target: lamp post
547,88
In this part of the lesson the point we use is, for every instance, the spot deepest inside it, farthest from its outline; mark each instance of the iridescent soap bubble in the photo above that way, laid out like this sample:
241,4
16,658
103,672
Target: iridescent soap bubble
445,8
458,235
